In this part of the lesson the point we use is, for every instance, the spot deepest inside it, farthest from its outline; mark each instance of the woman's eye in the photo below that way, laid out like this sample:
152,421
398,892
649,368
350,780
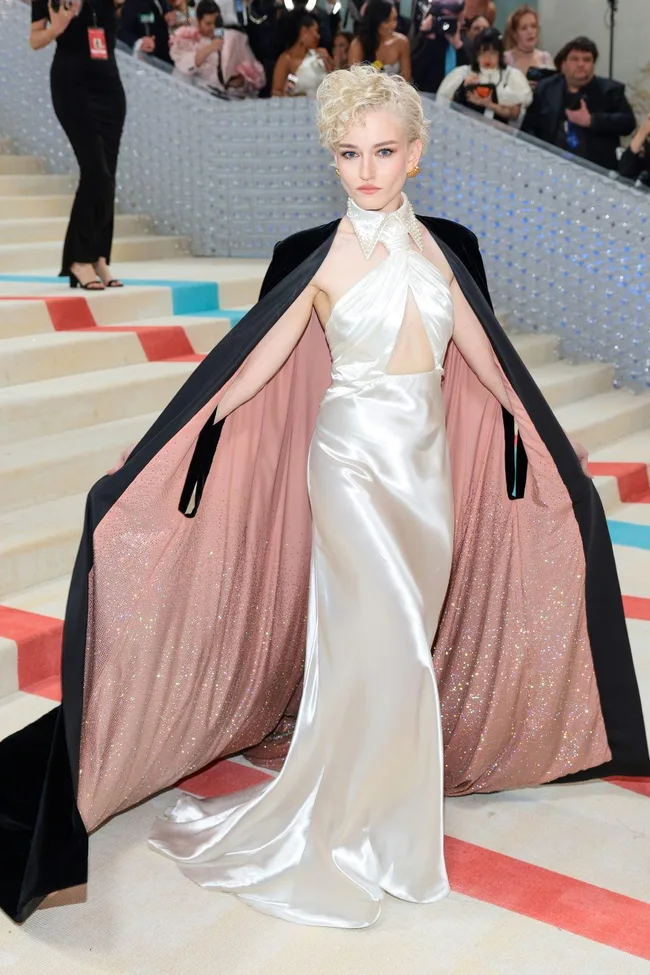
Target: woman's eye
385,152
348,154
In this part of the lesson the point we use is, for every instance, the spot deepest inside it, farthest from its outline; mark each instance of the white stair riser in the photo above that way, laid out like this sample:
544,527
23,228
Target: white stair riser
36,185
571,388
30,207
538,350
48,255
8,667
31,564
18,318
85,353
45,228
75,352
73,411
64,477
20,165
607,488
606,430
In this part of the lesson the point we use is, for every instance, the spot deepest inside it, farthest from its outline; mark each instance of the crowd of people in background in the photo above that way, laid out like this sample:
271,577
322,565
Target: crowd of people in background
450,48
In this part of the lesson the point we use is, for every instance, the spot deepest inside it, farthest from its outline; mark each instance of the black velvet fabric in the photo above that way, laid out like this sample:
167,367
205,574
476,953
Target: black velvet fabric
43,843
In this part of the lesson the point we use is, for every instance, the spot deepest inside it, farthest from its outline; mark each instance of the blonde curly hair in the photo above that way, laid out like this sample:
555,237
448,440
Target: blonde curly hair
345,96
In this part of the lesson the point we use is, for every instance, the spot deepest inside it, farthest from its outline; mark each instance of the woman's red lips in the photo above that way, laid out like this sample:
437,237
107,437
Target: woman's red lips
366,188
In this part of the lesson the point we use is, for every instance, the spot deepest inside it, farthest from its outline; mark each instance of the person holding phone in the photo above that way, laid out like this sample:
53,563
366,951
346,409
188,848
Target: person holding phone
218,57
89,102
489,85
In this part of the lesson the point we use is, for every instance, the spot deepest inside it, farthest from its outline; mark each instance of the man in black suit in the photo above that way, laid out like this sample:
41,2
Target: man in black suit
143,26
577,110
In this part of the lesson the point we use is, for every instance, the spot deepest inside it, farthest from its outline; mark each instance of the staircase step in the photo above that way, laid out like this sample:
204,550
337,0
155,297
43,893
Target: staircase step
36,357
13,165
535,348
32,184
74,402
40,542
599,420
26,257
32,358
18,206
40,229
562,383
60,464
46,599
19,316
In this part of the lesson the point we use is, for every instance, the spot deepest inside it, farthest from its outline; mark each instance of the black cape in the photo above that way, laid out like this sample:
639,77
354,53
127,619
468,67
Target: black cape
43,841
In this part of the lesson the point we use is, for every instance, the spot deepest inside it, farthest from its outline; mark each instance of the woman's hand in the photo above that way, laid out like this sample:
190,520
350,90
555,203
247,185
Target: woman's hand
325,57
471,79
642,135
583,456
59,19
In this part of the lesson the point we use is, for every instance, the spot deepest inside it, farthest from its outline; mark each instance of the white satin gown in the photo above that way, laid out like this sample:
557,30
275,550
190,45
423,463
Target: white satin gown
357,809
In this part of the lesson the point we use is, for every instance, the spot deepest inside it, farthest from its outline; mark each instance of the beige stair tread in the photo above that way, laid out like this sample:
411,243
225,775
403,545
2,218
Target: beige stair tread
18,710
11,164
634,449
563,383
40,523
17,206
605,417
48,598
41,451
48,389
41,229
36,184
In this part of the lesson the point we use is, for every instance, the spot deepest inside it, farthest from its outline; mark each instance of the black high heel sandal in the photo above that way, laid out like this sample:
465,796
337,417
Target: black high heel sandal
95,285
111,283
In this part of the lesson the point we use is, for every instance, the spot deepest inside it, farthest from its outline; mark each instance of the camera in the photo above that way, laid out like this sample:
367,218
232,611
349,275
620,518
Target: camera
444,24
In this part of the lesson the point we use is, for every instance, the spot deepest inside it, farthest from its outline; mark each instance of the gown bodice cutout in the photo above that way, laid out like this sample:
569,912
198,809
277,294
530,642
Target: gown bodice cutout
364,324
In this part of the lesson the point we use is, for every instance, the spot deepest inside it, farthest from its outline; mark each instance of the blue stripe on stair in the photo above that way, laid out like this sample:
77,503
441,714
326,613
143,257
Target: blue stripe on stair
628,534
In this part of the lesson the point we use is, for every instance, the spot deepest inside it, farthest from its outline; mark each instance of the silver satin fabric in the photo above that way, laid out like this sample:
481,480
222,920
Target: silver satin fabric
357,808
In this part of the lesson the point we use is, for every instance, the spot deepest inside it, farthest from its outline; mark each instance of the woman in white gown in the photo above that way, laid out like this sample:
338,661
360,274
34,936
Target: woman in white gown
357,807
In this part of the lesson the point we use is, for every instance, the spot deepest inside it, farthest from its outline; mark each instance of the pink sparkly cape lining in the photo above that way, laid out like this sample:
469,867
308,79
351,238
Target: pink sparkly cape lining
196,627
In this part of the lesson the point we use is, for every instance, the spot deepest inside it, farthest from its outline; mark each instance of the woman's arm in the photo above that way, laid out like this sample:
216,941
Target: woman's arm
42,34
281,72
405,60
355,53
474,346
452,82
270,354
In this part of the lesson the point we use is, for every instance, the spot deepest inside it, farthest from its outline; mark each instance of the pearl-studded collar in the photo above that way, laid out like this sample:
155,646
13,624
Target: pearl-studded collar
369,224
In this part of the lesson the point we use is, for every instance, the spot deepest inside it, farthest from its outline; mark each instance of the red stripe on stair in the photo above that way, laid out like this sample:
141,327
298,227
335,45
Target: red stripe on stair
69,314
221,778
632,784
636,607
633,483
159,342
38,639
544,895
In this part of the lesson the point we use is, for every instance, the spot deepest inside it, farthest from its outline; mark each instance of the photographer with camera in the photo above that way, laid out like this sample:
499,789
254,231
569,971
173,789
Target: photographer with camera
489,85
88,100
438,45
221,59
579,111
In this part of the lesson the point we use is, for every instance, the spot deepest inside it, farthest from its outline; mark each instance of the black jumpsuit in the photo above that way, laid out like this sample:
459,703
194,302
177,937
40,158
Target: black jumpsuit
89,102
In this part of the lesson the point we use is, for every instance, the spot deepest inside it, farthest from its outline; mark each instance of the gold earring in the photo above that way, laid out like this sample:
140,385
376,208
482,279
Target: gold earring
337,172
412,173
